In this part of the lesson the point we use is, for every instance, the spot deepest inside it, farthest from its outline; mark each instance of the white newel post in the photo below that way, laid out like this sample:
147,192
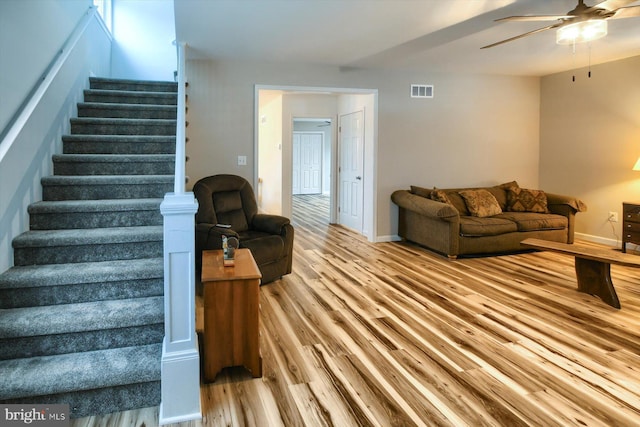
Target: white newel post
180,356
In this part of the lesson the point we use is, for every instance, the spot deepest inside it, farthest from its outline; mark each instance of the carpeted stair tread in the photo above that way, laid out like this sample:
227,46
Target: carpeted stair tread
50,284
135,85
130,96
118,121
118,144
113,158
68,214
89,206
77,237
123,110
113,164
45,375
87,316
101,187
110,126
119,182
98,273
106,179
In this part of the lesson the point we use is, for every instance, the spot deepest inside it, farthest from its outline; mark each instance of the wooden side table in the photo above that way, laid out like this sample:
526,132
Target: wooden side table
231,297
630,224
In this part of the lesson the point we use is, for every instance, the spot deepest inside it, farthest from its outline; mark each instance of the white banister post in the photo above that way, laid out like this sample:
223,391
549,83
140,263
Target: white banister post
180,378
180,389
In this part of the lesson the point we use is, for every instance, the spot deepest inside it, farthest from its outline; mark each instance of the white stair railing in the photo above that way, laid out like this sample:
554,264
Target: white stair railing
178,186
180,389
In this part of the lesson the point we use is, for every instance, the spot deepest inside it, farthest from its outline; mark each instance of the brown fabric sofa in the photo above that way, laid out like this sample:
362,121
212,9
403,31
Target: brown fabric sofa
229,200
441,220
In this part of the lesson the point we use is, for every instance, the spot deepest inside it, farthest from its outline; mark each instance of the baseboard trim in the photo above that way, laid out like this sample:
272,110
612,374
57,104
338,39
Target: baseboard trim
388,238
604,241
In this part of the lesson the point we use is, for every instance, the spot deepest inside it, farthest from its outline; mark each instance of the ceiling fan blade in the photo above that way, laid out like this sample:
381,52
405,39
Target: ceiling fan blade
613,4
535,18
522,35
627,12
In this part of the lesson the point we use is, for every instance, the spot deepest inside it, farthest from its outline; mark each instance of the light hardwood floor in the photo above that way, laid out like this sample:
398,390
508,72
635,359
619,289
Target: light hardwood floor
390,334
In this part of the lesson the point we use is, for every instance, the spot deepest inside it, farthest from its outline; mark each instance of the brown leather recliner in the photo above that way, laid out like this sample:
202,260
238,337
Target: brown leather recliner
229,199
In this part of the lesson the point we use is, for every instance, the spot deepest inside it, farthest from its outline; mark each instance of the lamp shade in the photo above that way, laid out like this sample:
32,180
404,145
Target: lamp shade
636,167
583,31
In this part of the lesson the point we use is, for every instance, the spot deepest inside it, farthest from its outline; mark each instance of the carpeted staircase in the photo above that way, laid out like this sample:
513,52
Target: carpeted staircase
81,313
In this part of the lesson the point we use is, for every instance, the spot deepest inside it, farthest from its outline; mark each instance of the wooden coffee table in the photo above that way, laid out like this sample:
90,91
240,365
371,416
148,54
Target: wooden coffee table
593,266
231,298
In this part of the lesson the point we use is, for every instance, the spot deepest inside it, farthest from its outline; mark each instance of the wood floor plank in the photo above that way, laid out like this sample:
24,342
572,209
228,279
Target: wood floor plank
391,334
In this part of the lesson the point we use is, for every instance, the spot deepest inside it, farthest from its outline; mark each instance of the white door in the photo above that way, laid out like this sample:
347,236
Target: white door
307,162
350,170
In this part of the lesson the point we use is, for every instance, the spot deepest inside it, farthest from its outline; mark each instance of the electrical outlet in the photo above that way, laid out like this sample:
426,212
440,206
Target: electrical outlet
613,217
242,160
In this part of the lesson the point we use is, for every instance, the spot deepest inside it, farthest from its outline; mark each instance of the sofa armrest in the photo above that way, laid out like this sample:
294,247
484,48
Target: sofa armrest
574,203
423,206
272,224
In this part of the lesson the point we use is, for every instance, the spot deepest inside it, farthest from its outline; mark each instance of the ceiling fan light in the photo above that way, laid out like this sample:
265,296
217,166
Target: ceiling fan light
583,31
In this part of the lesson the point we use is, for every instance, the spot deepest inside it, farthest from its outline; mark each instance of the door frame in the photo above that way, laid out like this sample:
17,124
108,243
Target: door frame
370,150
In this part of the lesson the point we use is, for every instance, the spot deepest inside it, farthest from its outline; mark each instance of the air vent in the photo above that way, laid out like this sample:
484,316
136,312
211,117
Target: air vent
422,91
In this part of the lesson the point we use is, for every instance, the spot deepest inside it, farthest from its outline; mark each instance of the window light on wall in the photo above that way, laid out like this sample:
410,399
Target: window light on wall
105,11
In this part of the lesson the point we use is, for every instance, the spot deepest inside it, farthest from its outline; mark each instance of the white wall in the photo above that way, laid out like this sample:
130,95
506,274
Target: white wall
269,187
477,130
31,34
25,156
143,32
590,140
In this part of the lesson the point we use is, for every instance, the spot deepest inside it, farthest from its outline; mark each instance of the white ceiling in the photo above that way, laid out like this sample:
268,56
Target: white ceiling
433,35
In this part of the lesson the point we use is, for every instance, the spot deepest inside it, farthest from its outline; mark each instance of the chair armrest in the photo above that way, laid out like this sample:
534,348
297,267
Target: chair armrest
210,237
272,224
557,199
423,206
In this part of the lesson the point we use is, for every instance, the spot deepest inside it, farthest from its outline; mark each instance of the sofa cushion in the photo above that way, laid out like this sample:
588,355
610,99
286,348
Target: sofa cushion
471,226
526,200
481,202
531,221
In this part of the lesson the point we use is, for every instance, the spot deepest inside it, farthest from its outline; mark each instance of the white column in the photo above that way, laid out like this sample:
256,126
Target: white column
180,356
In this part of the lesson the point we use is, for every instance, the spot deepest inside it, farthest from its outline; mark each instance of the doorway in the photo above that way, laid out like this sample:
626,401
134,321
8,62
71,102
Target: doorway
276,109
311,164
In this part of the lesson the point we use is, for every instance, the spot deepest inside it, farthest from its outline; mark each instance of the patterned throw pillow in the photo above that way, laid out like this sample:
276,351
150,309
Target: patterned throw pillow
525,200
440,196
480,203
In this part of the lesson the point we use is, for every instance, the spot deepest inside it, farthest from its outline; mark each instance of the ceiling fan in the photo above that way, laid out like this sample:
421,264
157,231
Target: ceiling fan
591,17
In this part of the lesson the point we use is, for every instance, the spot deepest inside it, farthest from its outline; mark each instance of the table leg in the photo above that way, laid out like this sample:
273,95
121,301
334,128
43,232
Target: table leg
594,278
